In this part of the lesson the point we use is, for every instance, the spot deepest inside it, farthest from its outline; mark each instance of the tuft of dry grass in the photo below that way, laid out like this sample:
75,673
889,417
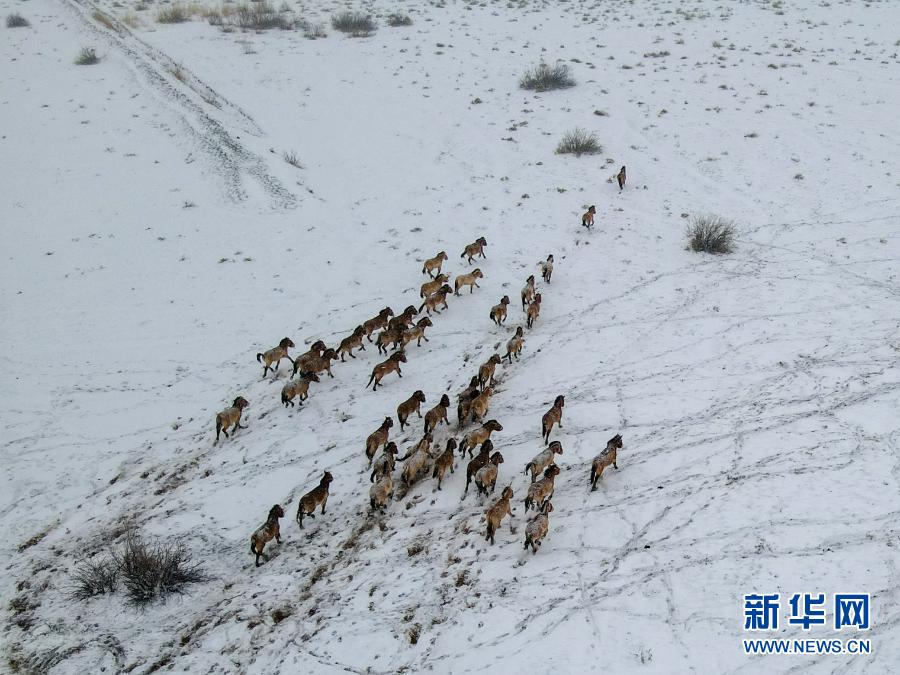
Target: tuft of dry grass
579,142
399,19
175,13
104,20
177,72
95,578
35,539
354,24
291,158
87,57
313,31
544,77
260,16
131,20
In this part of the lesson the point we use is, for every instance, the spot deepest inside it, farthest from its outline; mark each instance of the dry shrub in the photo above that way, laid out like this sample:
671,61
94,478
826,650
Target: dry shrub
152,570
355,24
260,16
579,142
174,14
87,57
398,19
16,20
313,31
95,577
544,77
711,234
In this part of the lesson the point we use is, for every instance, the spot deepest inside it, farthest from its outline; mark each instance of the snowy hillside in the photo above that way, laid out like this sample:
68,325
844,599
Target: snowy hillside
156,239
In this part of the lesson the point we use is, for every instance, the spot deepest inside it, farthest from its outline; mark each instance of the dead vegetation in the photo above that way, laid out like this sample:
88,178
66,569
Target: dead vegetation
398,19
256,16
175,13
147,571
544,77
354,24
16,20
291,158
35,540
579,142
95,577
711,234
87,57
260,16
281,613
312,31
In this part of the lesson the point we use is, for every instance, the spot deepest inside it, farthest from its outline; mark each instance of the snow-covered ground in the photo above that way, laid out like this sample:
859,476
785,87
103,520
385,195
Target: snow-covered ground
156,240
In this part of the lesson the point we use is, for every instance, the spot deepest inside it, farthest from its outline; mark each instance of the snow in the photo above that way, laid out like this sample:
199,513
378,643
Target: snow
157,240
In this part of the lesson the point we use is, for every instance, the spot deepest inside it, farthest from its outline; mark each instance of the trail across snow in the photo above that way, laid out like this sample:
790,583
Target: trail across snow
157,240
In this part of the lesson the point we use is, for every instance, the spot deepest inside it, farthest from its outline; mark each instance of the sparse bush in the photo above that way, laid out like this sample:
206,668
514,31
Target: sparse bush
291,158
711,234
579,142
95,578
16,20
150,571
414,633
174,14
87,57
260,16
355,24
313,31
544,77
177,72
397,19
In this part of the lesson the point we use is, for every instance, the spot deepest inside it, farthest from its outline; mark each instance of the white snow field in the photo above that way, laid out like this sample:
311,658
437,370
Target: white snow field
155,239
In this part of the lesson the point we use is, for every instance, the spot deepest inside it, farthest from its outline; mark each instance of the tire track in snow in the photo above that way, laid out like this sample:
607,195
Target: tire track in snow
229,158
